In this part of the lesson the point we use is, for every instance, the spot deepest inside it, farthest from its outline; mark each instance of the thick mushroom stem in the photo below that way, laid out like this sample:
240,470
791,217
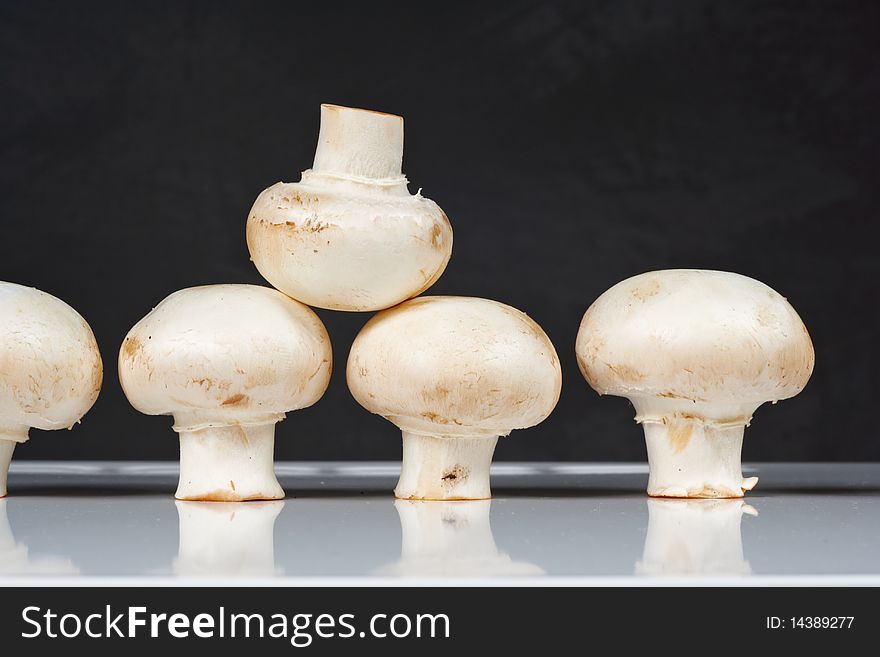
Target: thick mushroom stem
12,555
445,467
360,145
6,449
228,464
692,457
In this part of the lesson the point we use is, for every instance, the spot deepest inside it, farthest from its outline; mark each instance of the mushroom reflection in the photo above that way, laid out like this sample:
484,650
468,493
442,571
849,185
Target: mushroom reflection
15,557
227,538
451,539
694,537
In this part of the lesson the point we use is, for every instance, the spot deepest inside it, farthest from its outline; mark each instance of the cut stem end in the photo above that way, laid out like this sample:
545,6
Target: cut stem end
359,143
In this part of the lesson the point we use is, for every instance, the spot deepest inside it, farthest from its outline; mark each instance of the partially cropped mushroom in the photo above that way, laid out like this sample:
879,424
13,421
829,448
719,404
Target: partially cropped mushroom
454,374
50,367
349,235
696,352
227,361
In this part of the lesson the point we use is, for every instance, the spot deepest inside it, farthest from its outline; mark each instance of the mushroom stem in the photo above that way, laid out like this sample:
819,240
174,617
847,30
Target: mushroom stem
228,464
692,457
445,468
6,449
360,144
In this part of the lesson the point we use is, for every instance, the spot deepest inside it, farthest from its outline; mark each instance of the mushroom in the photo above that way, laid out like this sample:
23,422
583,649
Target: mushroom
695,537
227,539
455,374
349,235
451,539
227,361
50,367
696,352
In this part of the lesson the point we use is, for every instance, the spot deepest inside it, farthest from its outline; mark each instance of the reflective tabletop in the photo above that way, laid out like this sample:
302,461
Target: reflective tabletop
548,523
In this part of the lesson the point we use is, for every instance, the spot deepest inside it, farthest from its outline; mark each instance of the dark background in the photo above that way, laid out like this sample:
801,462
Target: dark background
572,145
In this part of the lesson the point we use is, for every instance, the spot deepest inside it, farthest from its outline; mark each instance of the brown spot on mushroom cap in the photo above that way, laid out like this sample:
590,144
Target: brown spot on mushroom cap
131,346
625,373
436,236
437,392
235,400
645,289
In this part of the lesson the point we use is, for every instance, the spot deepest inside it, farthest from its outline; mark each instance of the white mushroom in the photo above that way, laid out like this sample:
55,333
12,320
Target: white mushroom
696,352
227,361
227,539
454,373
349,235
50,367
695,537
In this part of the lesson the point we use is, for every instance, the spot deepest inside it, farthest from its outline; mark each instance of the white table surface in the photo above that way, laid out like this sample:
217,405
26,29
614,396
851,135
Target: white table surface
114,523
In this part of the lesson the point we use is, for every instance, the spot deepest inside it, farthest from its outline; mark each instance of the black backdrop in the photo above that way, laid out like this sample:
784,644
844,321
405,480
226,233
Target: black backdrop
572,144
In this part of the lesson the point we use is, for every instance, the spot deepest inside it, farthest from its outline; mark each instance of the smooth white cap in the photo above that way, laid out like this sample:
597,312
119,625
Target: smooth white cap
223,355
455,366
702,337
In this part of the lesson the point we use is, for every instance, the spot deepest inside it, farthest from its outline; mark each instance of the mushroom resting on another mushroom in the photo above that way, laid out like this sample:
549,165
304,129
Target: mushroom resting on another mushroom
454,373
227,361
50,367
349,235
696,352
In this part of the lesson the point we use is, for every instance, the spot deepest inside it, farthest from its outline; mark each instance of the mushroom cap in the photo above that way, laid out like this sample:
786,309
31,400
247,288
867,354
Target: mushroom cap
455,366
50,366
333,247
222,355
694,335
